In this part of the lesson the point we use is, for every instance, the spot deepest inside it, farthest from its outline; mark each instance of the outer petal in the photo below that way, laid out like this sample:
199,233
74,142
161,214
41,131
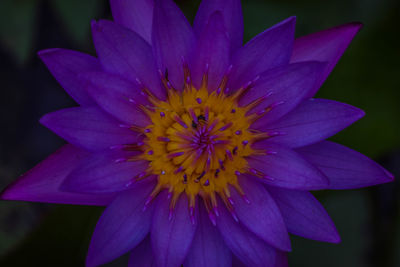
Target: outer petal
312,121
41,183
345,168
104,172
285,168
208,248
142,256
232,14
269,49
173,40
327,45
117,96
136,15
304,215
65,65
89,128
261,215
281,89
122,226
211,54
123,52
171,237
249,249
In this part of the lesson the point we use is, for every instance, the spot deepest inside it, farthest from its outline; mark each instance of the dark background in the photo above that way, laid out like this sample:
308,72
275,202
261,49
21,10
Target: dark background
367,76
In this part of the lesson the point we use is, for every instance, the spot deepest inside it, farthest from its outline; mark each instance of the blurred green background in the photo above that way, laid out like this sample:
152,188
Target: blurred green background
367,76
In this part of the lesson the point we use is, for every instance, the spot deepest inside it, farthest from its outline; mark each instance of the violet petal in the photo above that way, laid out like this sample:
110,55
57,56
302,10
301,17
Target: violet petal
121,227
344,167
327,45
41,184
65,65
233,19
135,15
172,39
212,49
312,121
89,128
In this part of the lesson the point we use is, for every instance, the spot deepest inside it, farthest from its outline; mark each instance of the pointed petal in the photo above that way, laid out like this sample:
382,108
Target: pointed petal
65,65
121,227
304,215
281,89
41,184
105,172
211,54
89,128
246,246
233,19
171,238
327,45
344,167
261,215
135,15
123,52
208,247
269,49
173,40
312,121
120,98
141,255
299,174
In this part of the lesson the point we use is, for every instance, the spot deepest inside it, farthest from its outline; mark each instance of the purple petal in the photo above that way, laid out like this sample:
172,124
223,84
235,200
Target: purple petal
171,237
173,40
249,249
135,15
141,255
122,226
211,54
104,172
123,52
118,97
344,167
304,215
233,19
41,183
208,248
312,121
65,65
280,90
237,263
269,49
285,168
327,45
261,215
89,128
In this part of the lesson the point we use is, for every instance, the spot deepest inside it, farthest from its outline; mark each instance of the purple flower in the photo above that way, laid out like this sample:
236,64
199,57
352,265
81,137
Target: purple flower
203,150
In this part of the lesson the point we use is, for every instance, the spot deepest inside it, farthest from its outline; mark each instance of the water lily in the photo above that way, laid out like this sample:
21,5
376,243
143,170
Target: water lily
203,150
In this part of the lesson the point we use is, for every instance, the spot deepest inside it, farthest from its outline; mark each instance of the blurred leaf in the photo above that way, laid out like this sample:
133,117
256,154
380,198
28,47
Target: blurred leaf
60,240
17,27
16,220
349,211
76,16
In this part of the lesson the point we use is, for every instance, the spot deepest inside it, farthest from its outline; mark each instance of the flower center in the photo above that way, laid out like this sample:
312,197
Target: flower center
197,144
